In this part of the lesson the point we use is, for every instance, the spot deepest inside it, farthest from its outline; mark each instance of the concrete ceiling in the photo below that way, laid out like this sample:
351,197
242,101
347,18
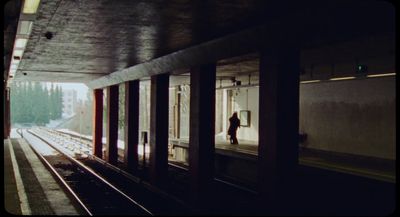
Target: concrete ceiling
10,23
91,39
95,38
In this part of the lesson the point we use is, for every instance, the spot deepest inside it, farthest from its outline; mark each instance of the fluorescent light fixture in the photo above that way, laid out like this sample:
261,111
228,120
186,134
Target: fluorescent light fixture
341,78
14,67
25,27
12,72
310,81
18,53
14,62
21,42
30,6
381,75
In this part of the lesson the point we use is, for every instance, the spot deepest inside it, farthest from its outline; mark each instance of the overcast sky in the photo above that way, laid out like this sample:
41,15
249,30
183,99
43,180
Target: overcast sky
81,89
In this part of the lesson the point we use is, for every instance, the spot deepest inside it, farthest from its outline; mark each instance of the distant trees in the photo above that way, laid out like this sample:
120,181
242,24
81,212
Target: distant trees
33,102
52,103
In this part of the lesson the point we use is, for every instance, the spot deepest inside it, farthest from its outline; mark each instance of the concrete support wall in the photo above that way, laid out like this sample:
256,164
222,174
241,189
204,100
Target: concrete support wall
202,130
278,124
112,124
159,129
350,116
98,122
131,125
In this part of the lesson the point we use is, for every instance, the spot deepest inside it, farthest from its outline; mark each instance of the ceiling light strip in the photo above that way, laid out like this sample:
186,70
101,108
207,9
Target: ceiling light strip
30,6
381,75
310,81
341,78
24,27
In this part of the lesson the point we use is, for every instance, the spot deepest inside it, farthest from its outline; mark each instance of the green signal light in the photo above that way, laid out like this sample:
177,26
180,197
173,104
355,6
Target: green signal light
362,69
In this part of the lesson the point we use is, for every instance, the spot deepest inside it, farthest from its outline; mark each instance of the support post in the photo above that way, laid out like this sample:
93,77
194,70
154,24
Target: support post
177,112
6,115
112,124
278,120
202,130
159,129
131,125
98,122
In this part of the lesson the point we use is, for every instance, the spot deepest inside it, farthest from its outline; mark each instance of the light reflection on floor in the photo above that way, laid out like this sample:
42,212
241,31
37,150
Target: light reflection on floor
39,145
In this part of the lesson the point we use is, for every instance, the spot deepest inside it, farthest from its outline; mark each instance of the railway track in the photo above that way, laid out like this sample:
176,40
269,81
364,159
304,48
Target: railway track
96,195
84,146
83,151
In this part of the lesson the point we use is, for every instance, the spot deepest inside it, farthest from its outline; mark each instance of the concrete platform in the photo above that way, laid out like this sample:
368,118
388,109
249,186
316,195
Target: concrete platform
30,189
366,167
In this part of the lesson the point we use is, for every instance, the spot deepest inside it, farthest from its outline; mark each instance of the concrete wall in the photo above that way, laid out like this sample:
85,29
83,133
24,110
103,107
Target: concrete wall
185,111
144,109
241,103
350,116
341,59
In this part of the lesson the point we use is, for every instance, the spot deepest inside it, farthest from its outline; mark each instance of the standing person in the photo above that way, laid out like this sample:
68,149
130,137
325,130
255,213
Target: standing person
234,123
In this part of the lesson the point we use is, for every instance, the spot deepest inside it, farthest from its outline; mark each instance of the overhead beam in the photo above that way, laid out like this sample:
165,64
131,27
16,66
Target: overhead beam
209,52
56,76
251,40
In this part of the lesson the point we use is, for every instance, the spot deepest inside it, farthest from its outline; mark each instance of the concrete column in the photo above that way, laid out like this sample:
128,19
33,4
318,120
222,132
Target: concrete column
98,122
6,114
131,125
278,119
159,129
112,124
225,112
202,130
177,112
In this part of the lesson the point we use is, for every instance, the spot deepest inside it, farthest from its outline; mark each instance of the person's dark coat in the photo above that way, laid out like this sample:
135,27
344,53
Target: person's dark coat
234,124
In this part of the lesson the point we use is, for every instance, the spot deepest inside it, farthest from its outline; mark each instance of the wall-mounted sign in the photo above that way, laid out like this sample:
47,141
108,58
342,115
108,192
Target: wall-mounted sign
245,118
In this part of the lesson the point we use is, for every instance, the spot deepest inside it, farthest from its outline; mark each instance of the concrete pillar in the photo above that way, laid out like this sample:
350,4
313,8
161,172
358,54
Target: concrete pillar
177,112
202,130
6,114
112,124
159,129
278,119
225,112
131,125
98,122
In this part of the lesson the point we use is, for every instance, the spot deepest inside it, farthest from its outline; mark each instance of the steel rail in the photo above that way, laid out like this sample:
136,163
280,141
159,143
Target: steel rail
137,180
54,172
170,164
93,173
